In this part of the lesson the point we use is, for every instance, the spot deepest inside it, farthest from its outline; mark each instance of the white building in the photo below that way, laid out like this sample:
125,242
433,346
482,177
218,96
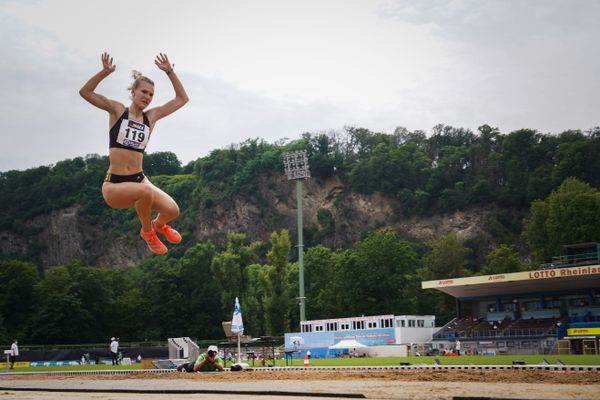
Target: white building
377,330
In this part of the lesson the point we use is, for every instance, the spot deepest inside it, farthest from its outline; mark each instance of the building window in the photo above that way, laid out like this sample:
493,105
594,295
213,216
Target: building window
402,323
318,328
306,328
372,324
345,327
411,323
358,324
332,326
386,323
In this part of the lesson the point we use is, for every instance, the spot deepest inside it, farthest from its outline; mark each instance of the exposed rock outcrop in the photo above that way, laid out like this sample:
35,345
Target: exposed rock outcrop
63,236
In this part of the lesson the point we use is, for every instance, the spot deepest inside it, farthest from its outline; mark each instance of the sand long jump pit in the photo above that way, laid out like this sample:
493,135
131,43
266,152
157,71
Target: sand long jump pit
281,383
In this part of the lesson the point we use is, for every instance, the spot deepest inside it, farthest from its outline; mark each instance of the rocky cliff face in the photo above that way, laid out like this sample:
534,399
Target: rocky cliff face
273,207
63,236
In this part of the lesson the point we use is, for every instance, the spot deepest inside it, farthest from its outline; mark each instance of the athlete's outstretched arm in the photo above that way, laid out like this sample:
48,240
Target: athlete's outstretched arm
181,97
88,90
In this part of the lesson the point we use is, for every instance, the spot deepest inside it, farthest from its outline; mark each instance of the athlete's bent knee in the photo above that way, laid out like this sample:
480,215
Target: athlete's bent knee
174,211
146,192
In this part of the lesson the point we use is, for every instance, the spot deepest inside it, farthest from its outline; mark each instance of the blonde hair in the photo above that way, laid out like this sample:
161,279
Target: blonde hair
137,78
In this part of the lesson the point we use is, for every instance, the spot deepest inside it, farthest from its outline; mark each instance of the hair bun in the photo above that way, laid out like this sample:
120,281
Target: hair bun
135,74
137,79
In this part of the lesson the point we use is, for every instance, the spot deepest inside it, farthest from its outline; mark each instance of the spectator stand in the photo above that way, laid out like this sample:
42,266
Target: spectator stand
528,312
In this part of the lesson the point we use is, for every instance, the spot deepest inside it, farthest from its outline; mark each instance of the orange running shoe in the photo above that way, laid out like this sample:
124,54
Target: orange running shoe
171,234
153,242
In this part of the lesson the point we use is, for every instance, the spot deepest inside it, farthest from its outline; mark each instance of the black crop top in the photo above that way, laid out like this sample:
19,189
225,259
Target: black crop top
130,135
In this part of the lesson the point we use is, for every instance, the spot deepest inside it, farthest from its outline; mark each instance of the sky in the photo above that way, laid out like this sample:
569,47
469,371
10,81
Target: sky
275,69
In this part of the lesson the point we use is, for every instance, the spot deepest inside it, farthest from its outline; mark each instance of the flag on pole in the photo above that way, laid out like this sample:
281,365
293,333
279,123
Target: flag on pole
237,325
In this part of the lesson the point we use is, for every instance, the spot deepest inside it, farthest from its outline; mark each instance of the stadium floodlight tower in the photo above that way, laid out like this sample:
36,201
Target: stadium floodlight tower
296,168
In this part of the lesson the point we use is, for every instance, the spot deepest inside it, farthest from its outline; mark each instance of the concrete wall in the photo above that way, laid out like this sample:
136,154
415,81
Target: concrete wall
414,335
398,350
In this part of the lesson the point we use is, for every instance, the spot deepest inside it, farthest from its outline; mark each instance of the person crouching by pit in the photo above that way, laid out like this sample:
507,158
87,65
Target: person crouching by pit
209,361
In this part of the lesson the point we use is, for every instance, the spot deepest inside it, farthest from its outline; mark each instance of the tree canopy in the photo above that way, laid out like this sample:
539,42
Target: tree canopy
568,216
551,178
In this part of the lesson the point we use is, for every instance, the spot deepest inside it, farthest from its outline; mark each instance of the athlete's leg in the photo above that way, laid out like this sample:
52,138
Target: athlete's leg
167,210
166,207
131,194
140,196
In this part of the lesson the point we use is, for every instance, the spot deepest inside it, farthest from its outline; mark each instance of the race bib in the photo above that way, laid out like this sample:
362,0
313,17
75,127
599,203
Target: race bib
133,134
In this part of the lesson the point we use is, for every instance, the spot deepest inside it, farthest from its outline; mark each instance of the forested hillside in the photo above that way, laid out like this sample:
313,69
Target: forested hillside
383,212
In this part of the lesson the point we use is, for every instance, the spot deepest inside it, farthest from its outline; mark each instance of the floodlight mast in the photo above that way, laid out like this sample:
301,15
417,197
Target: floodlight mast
296,168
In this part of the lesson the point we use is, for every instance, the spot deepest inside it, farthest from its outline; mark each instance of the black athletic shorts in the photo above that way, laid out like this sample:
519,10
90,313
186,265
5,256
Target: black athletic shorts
114,178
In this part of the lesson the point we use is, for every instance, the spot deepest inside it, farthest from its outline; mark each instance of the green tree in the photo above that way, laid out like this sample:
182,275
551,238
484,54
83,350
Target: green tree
201,292
567,216
71,296
447,180
324,159
228,269
577,156
91,287
60,315
277,301
253,300
17,280
161,163
324,285
502,260
376,275
128,305
389,167
128,315
528,159
447,258
163,297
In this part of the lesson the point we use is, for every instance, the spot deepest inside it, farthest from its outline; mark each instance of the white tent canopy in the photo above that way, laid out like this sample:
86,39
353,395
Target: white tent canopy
347,344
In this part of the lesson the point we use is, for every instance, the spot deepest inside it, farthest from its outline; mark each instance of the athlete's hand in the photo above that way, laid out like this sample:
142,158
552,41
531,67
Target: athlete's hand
107,62
162,62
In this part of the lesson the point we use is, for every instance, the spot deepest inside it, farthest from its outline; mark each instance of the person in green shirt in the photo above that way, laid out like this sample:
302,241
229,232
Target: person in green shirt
209,361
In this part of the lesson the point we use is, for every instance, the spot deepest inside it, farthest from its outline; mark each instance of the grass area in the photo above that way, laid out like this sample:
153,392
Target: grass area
462,360
361,361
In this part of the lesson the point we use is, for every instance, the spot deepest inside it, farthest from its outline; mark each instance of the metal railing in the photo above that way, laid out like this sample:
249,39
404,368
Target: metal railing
573,260
495,333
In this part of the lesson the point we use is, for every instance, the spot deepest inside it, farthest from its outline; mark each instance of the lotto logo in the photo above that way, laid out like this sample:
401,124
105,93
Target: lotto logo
130,143
136,125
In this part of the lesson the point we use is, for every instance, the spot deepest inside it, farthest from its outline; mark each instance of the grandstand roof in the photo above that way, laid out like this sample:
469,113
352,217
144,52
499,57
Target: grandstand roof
582,277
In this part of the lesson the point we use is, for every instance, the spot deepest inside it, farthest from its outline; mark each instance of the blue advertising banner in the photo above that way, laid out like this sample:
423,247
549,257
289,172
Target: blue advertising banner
308,340
368,337
52,363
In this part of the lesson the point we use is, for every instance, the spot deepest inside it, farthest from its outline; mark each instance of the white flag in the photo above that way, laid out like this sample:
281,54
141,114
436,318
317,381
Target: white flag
237,325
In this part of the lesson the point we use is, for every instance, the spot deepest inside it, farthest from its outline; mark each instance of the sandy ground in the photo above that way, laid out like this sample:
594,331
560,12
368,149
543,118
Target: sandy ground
403,384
